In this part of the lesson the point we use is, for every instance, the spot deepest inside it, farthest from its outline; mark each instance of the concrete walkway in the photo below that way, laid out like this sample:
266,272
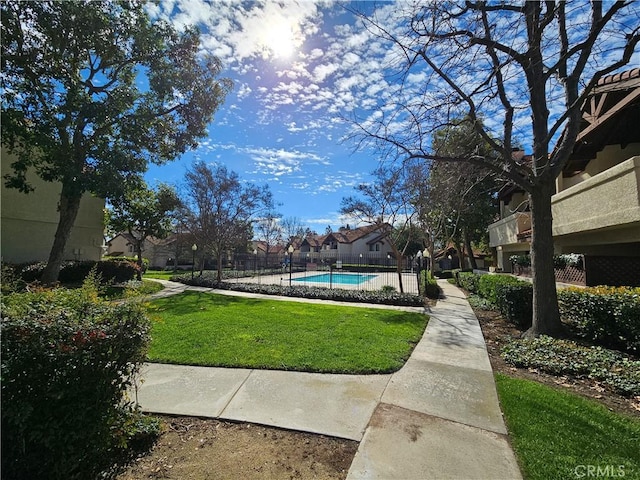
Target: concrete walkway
437,417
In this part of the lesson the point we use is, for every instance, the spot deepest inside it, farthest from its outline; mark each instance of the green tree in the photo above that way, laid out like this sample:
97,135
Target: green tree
527,66
466,192
92,92
219,209
144,213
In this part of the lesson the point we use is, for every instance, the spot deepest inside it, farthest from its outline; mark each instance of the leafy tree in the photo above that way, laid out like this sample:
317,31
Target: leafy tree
527,66
386,203
144,213
92,92
465,191
219,209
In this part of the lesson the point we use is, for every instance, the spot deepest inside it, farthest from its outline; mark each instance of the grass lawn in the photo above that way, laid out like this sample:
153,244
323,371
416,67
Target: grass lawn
204,329
558,435
147,287
161,274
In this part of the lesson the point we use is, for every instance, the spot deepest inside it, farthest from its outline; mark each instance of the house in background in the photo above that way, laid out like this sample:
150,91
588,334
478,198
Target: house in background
350,244
161,253
596,208
29,222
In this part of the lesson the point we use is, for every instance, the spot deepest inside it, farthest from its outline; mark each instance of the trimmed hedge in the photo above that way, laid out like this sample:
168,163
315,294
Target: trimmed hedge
429,285
322,293
515,302
67,361
468,281
487,285
609,316
562,357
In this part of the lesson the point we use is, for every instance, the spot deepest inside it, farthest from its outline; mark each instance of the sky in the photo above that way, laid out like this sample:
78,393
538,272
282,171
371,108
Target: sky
296,75
301,71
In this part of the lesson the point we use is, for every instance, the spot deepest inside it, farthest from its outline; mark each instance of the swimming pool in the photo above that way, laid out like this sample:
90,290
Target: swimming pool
344,278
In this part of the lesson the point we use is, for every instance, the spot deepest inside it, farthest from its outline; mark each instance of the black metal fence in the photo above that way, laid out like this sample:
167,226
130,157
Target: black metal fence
362,272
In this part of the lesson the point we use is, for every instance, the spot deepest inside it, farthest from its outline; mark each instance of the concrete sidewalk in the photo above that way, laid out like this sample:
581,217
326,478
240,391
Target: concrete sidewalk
437,417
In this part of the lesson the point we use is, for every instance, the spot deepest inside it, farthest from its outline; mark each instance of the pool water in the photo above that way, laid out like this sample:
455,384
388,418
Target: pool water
344,278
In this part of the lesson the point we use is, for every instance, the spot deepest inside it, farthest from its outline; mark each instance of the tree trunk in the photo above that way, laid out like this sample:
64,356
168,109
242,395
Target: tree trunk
546,316
139,262
467,243
219,257
68,207
399,270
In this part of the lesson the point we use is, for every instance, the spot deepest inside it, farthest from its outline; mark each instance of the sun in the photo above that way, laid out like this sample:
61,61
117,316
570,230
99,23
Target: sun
281,42
279,39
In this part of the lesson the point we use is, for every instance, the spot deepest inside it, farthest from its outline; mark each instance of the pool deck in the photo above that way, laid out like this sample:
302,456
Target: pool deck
409,280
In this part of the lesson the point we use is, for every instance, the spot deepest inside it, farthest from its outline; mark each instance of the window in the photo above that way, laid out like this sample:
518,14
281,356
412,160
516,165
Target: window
374,247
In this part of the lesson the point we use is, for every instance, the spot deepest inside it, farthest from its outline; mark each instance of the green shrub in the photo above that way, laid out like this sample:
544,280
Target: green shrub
67,360
487,285
468,281
520,260
388,288
515,302
609,316
429,285
562,357
117,270
11,282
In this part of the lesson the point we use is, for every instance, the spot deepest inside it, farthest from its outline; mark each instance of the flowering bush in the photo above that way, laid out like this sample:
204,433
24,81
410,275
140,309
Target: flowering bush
67,360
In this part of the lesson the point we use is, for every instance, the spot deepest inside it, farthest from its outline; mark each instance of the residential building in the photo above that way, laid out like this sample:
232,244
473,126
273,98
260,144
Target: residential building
596,207
160,252
369,242
29,222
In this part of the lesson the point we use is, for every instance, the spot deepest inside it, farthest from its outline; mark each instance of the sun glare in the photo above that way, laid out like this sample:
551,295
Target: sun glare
281,42
279,39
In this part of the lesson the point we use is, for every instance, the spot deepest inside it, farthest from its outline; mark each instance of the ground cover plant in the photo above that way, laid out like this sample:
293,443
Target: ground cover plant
322,293
559,435
206,329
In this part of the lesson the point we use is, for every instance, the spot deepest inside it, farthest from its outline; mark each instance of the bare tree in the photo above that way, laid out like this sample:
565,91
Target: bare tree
292,229
386,203
220,209
269,230
526,66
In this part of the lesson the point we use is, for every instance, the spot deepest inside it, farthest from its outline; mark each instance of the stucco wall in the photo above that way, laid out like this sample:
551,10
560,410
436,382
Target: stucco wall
29,222
604,202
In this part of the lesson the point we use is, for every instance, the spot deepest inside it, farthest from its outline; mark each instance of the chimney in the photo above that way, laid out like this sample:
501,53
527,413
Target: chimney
517,153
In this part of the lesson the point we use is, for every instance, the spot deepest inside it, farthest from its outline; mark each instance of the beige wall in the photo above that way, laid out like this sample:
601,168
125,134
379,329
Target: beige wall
608,157
29,222
606,206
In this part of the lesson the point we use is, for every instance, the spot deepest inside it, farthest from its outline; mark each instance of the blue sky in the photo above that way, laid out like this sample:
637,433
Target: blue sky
300,69
297,72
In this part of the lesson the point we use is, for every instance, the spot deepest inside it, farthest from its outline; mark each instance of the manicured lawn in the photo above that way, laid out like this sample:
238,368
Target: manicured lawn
558,435
161,274
133,289
204,329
